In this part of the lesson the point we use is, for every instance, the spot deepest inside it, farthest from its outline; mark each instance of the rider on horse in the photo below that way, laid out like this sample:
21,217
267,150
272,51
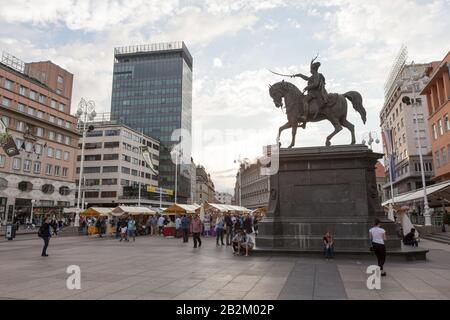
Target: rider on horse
316,91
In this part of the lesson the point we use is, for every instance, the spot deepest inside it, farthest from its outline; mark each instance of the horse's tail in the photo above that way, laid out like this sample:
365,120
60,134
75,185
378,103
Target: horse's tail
356,100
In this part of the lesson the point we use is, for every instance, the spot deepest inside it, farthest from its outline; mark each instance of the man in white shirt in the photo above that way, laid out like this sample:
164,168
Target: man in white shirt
178,226
378,237
161,221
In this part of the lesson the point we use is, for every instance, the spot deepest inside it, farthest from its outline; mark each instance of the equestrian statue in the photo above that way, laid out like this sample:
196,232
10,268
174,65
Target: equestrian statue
316,105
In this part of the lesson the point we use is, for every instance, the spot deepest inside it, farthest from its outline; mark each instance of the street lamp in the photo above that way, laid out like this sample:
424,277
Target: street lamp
177,152
242,162
412,81
86,112
32,207
369,138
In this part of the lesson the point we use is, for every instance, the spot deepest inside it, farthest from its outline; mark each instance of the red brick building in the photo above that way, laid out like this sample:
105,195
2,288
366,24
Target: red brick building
437,92
35,103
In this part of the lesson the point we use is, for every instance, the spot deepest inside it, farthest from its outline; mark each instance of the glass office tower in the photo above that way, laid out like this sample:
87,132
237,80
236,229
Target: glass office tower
152,93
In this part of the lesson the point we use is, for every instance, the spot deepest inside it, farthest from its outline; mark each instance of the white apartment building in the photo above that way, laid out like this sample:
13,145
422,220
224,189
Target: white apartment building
114,167
401,119
224,197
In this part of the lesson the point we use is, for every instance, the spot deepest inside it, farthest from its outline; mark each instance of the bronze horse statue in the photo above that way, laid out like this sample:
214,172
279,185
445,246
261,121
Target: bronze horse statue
334,111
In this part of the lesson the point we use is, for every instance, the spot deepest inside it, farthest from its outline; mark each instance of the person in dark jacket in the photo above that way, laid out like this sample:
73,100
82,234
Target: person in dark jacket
410,239
228,228
45,234
248,228
185,228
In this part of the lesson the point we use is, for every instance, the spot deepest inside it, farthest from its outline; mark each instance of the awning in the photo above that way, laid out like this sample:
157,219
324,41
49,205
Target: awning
225,207
182,208
435,194
134,211
96,212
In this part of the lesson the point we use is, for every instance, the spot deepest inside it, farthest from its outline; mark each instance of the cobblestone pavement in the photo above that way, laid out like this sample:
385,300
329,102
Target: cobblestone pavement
159,268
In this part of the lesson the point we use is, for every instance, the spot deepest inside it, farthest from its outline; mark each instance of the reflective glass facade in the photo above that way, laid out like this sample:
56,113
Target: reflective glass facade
152,93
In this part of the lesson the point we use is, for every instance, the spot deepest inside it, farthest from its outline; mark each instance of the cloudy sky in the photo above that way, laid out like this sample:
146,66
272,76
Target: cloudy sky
233,43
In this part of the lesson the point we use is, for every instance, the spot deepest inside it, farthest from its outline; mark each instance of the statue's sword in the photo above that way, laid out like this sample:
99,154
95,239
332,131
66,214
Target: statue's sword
283,75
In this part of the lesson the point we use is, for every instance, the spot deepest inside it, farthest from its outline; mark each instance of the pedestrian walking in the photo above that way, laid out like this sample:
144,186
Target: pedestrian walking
131,228
185,228
196,229
219,230
328,245
123,230
378,237
161,222
148,226
228,228
178,227
45,233
154,224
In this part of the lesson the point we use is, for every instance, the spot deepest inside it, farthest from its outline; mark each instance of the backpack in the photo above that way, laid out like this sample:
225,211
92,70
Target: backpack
41,231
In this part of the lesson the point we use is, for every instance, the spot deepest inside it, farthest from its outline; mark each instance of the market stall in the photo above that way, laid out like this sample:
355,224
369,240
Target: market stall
140,215
92,214
173,211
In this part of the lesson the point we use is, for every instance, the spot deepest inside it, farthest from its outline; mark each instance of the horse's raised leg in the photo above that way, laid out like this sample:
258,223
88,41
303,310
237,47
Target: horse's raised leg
337,128
345,123
285,126
294,132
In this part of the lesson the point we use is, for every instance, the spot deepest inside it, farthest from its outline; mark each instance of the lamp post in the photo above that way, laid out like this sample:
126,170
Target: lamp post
177,152
32,207
413,80
369,138
86,112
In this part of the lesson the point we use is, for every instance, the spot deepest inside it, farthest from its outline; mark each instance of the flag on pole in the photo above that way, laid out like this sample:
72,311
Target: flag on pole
392,167
388,141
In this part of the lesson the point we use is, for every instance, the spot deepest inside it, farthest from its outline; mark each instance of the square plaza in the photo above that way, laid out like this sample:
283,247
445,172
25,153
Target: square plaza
155,268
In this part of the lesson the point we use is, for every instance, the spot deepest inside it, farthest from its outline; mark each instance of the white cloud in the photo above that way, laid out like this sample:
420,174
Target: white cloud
217,63
272,25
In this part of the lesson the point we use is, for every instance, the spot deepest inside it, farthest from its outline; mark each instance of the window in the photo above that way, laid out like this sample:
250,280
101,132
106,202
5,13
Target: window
53,104
108,194
58,154
60,79
90,170
91,182
6,102
50,152
65,172
95,133
42,98
66,156
39,132
48,169
124,182
33,94
109,133
40,114
20,126
68,125
38,148
37,167
28,147
20,143
51,135
58,91
111,144
126,158
110,169
436,159
27,165
446,123
51,119
67,140
441,129
60,122
16,163
5,120
21,107
433,127
134,172
31,111
61,107
57,171
92,145
22,90
59,138
444,156
109,182
8,84
125,170
93,157
2,161
113,156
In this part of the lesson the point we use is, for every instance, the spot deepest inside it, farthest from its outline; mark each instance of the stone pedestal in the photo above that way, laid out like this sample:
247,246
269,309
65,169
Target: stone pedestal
320,189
